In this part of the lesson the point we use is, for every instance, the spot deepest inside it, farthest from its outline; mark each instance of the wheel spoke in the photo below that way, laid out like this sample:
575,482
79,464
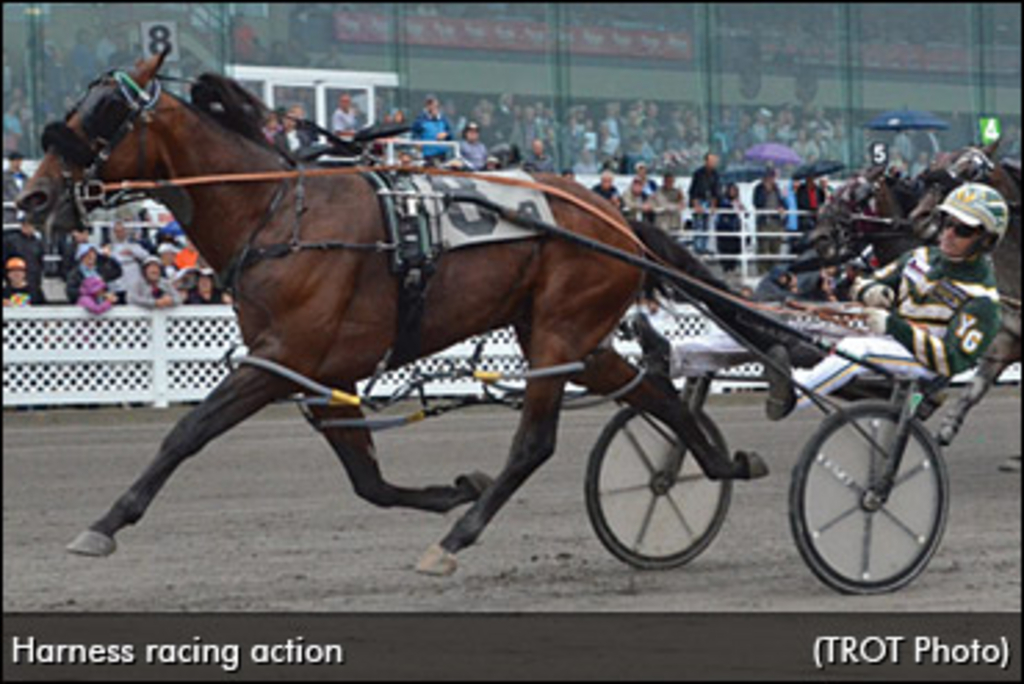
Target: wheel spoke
913,472
901,525
646,524
626,490
639,449
839,518
682,518
692,477
866,547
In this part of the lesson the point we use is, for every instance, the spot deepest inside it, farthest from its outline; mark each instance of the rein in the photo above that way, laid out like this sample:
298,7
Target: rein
612,221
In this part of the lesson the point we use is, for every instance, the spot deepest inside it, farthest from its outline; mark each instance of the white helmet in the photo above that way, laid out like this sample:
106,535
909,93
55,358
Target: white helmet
978,205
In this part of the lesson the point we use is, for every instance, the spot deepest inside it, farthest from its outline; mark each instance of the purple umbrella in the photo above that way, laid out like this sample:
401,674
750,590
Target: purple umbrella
776,153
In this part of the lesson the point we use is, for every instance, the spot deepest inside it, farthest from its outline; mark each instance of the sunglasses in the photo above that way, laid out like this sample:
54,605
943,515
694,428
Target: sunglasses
962,230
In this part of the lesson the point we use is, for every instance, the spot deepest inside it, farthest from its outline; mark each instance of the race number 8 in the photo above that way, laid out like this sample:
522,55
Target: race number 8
160,36
159,39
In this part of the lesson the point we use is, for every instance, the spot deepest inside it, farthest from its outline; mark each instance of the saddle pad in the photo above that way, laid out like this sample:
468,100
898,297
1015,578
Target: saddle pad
463,224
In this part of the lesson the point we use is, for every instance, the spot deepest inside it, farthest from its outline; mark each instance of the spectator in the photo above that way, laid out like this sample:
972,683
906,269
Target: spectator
920,165
809,198
94,297
153,291
206,290
168,252
472,150
79,235
538,159
89,262
650,185
635,204
779,285
296,134
188,257
17,289
668,204
29,245
606,188
585,164
727,227
272,127
768,198
431,124
130,256
345,120
14,181
704,196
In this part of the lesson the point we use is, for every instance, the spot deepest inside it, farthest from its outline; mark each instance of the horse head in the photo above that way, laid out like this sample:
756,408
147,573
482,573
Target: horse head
98,141
948,171
833,235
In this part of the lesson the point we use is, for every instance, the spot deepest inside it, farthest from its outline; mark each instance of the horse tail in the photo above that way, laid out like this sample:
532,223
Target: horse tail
670,251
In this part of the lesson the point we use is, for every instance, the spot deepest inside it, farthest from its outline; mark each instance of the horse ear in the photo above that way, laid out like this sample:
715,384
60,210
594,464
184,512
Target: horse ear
991,148
875,172
147,69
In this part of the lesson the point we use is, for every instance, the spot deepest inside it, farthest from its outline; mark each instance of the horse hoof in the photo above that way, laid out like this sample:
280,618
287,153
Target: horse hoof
476,481
751,465
437,562
92,543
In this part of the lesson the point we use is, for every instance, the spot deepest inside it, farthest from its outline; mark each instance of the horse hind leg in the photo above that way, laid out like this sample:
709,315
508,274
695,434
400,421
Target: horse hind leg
1005,350
354,448
607,372
241,394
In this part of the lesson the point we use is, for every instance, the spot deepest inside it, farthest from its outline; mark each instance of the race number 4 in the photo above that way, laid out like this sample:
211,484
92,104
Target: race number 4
158,36
969,338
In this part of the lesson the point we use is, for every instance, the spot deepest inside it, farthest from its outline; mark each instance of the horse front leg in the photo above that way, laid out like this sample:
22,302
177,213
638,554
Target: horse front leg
1004,351
241,394
354,448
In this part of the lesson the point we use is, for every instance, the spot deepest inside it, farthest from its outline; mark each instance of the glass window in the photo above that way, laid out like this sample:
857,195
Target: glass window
910,59
779,79
635,85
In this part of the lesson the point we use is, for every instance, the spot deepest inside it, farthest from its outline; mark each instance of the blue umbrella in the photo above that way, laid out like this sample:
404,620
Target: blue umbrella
905,119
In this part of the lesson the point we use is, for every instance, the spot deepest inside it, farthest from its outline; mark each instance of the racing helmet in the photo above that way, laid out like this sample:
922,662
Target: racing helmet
980,206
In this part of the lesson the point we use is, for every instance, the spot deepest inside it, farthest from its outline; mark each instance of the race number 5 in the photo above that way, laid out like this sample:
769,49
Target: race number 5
879,154
969,337
158,36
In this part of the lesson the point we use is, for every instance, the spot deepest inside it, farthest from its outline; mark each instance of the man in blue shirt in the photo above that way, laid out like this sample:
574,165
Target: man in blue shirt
431,124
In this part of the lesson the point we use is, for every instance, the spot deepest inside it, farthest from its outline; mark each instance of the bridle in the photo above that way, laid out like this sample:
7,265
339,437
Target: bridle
105,123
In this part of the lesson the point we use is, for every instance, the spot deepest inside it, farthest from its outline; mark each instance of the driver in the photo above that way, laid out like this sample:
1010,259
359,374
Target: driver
934,311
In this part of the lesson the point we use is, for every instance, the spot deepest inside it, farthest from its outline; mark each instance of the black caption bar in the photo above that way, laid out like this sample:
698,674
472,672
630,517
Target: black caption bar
475,646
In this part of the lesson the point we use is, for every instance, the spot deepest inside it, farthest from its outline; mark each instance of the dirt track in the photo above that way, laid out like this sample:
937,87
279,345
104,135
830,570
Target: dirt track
265,519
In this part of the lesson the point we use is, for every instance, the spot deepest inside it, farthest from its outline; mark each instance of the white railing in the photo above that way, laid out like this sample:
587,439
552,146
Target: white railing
63,356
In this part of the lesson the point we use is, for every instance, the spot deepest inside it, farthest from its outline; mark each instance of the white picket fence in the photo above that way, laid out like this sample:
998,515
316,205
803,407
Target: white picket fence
64,356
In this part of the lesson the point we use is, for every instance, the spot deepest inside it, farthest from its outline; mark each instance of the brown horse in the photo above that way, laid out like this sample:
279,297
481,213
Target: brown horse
330,314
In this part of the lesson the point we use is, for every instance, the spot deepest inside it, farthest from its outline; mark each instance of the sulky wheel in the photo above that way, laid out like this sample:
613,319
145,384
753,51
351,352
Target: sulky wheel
647,498
854,541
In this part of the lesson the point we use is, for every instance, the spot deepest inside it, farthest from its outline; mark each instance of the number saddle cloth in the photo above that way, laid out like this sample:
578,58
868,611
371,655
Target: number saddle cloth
424,223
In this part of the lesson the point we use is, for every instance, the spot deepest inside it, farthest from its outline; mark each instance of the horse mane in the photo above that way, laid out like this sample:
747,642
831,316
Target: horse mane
231,105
